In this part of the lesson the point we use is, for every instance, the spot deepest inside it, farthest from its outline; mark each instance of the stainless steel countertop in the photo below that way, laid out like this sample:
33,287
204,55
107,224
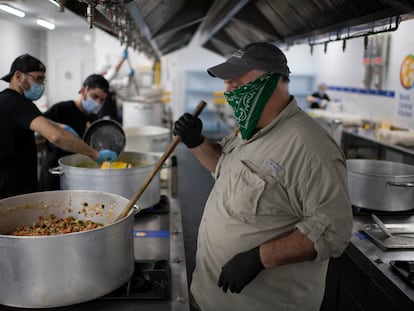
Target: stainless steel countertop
169,245
375,261
370,136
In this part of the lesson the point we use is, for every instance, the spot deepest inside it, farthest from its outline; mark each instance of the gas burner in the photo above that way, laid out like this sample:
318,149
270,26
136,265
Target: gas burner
405,270
163,206
150,280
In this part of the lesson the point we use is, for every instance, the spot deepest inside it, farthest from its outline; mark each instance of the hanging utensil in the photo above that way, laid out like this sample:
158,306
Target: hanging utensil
158,166
132,78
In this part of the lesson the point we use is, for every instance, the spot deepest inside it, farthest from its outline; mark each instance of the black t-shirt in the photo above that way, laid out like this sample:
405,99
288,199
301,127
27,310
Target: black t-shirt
18,153
67,113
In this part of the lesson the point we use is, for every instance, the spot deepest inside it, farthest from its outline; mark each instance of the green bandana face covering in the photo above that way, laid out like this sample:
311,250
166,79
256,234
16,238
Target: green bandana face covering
249,100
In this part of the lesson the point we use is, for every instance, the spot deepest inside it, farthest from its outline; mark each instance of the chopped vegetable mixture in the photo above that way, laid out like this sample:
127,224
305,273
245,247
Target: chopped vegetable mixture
54,226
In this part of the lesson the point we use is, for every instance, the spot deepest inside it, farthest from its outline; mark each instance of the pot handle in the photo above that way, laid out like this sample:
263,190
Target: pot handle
400,184
136,210
56,171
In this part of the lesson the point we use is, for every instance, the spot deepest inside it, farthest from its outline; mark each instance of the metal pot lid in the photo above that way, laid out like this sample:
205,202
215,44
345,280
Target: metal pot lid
105,134
380,168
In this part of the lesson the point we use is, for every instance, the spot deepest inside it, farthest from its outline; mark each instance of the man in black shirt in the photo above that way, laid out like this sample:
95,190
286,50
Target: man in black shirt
20,118
319,99
77,115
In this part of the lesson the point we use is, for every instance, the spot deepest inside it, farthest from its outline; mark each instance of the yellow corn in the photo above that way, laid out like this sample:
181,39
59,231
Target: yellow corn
106,165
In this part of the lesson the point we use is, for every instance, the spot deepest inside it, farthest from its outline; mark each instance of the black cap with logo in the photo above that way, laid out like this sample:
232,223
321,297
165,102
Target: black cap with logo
259,55
24,63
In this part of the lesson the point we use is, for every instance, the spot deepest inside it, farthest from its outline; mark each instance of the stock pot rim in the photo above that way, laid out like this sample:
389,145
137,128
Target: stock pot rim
379,168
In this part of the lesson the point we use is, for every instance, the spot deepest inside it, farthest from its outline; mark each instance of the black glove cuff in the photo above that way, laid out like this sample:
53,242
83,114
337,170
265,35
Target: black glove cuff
194,142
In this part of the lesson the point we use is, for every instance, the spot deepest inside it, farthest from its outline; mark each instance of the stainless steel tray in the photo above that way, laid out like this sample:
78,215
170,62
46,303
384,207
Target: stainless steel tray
402,236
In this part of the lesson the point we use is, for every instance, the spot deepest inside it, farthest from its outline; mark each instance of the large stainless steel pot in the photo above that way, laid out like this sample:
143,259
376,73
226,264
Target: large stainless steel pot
381,185
79,172
154,139
139,113
60,270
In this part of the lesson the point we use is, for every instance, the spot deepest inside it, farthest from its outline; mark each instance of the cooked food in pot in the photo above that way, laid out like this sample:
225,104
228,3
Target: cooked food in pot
54,225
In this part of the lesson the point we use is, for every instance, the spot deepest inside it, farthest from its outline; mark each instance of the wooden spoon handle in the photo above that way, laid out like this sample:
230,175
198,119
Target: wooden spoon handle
157,166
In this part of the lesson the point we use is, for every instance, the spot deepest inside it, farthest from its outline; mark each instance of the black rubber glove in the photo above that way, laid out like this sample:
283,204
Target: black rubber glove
240,270
189,128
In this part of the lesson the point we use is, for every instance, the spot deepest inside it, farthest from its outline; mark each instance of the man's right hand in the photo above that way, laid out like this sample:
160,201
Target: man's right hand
189,128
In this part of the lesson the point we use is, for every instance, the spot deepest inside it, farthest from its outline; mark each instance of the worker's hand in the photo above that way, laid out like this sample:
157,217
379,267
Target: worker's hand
131,73
323,103
125,53
240,270
71,130
189,128
106,155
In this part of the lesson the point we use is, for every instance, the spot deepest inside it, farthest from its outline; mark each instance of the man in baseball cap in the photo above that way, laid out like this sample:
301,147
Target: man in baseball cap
279,207
20,118
24,63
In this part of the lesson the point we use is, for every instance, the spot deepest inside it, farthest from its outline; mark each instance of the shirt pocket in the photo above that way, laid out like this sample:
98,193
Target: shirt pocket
259,198
244,196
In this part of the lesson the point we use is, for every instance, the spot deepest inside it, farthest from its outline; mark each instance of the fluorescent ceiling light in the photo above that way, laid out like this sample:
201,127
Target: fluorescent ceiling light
46,24
55,3
11,10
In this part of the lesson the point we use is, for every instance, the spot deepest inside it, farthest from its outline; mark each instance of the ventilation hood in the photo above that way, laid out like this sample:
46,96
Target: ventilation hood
159,27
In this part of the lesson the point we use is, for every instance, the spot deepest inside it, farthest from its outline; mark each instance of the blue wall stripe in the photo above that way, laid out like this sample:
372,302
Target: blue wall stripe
362,91
151,234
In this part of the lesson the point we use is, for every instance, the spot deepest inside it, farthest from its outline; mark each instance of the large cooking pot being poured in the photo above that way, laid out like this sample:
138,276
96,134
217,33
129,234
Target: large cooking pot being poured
79,172
381,185
60,270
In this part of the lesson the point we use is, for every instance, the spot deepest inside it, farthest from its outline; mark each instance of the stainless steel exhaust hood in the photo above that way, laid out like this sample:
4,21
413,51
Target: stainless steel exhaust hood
159,27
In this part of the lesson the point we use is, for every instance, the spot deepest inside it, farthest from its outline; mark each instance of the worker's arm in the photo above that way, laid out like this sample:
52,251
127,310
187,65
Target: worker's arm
65,140
208,154
295,247
113,71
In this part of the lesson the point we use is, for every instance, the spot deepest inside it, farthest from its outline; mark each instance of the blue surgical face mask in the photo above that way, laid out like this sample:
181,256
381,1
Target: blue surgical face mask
35,91
90,105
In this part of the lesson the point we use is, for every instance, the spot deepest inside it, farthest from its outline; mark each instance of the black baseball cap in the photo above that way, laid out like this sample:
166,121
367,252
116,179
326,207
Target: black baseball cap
24,63
259,55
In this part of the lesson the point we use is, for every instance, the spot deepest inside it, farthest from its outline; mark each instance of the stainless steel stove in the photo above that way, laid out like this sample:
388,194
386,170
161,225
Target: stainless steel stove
399,224
151,280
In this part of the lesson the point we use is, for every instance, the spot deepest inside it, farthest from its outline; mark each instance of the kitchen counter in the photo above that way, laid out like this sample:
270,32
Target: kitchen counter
156,236
363,279
357,138
380,259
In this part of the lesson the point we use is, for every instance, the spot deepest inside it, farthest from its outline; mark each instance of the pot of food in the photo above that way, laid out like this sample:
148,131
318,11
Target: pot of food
154,139
381,185
79,172
63,269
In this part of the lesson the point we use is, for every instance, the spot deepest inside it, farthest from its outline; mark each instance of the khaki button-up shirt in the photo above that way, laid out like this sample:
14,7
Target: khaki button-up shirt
289,175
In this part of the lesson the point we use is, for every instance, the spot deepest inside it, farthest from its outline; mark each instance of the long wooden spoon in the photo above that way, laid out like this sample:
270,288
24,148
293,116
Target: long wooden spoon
157,167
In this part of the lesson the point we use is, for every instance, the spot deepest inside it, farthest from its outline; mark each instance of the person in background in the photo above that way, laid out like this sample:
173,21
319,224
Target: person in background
110,107
319,99
76,115
20,119
279,207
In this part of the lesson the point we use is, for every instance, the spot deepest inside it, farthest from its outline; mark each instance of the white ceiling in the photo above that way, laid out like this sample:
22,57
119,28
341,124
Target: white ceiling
35,9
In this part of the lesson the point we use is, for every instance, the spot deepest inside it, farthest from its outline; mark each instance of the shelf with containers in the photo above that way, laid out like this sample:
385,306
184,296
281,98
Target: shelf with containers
300,86
200,86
